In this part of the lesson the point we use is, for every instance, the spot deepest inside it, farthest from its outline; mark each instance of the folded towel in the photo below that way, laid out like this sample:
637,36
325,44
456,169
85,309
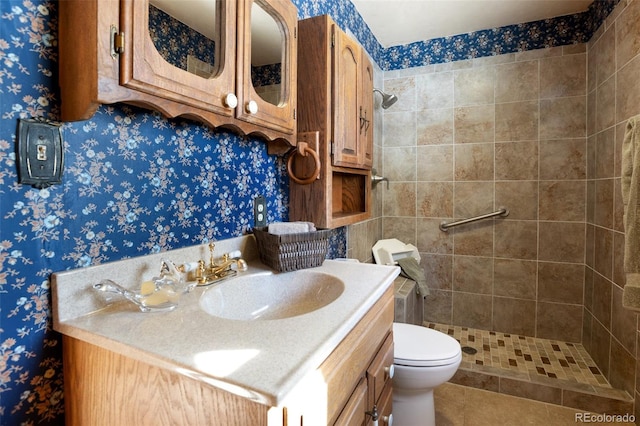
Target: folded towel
410,268
280,228
630,185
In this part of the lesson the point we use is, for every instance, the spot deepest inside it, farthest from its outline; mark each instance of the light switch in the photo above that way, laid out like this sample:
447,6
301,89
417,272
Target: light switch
40,153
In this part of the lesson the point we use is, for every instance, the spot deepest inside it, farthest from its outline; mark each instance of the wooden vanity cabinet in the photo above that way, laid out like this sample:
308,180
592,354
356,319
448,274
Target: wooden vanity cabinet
335,101
105,387
107,55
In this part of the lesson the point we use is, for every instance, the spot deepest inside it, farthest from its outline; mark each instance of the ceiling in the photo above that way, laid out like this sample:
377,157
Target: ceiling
397,22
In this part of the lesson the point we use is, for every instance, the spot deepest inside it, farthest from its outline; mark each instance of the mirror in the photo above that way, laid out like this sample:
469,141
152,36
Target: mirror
186,33
267,50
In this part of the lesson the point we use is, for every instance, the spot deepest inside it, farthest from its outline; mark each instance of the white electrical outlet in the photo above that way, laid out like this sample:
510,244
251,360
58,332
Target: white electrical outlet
259,211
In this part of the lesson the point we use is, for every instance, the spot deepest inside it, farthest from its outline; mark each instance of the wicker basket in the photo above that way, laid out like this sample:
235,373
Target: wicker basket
290,252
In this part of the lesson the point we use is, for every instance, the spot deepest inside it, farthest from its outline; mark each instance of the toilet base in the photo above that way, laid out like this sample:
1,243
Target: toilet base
411,407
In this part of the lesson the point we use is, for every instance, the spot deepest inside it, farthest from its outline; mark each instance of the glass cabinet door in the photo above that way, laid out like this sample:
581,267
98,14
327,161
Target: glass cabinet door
267,63
181,50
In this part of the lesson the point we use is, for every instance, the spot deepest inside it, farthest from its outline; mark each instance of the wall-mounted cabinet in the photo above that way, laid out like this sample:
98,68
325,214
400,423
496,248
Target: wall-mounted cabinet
228,63
336,101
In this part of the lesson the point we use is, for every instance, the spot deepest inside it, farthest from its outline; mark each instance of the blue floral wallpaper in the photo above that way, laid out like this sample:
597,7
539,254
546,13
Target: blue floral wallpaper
136,183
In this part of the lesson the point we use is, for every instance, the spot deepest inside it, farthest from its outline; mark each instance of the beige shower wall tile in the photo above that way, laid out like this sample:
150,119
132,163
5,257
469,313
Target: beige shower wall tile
474,124
399,129
516,160
603,252
434,163
563,76
628,34
474,162
517,82
563,118
402,228
475,86
473,274
563,200
434,126
515,239
591,112
399,164
562,242
563,159
559,321
606,104
519,197
472,198
434,90
405,90
606,52
514,316
431,239
400,199
517,121
472,310
475,239
560,282
604,208
435,199
605,152
438,270
620,131
628,90
515,278
618,207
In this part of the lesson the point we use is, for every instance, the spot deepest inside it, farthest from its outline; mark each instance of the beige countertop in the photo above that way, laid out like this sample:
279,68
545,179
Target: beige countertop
261,359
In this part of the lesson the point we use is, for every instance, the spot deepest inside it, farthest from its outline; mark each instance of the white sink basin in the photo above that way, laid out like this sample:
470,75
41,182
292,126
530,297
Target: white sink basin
271,296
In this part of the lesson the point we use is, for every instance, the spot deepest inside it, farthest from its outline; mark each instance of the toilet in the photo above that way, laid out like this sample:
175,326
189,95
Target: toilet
424,359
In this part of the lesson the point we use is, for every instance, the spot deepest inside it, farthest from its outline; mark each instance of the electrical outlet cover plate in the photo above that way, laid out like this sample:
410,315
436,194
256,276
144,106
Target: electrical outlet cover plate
259,211
40,153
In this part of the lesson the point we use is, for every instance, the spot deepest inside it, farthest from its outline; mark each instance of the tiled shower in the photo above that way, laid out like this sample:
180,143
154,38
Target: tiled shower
540,133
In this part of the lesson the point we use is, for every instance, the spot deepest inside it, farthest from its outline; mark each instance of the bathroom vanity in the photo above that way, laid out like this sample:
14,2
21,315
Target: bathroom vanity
330,365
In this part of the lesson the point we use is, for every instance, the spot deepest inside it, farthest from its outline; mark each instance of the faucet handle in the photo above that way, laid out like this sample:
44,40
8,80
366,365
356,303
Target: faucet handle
211,261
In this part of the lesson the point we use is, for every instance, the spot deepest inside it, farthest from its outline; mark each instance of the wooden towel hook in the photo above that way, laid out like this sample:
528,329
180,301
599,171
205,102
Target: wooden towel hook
303,149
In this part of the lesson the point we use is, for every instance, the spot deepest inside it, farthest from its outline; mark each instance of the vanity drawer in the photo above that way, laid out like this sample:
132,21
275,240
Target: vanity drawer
378,373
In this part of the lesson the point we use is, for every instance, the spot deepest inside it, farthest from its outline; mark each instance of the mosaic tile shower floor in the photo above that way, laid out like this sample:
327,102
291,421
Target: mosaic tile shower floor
560,364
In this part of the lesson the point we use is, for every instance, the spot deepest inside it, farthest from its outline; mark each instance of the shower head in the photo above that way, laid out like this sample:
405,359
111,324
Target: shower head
387,100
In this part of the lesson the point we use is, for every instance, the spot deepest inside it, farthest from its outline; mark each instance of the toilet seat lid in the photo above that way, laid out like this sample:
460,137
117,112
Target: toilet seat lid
423,347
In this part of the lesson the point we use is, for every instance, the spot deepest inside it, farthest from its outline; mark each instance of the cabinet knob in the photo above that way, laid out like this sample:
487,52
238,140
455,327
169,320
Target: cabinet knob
390,371
230,101
252,107
388,420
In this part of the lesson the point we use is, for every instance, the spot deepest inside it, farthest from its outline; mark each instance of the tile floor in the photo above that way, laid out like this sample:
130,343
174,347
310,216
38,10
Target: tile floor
526,355
458,405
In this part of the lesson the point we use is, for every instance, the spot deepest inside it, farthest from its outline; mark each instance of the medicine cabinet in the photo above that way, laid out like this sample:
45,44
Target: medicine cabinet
229,63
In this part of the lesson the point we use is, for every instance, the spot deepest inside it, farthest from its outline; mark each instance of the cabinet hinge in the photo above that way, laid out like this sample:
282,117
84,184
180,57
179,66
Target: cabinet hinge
117,42
295,32
333,39
333,147
295,114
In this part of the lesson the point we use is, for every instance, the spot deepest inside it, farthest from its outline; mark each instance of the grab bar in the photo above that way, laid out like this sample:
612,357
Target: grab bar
503,211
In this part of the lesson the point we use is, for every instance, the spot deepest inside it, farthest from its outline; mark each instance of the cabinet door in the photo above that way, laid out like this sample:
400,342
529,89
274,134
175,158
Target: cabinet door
190,64
378,373
354,412
267,63
366,118
347,81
